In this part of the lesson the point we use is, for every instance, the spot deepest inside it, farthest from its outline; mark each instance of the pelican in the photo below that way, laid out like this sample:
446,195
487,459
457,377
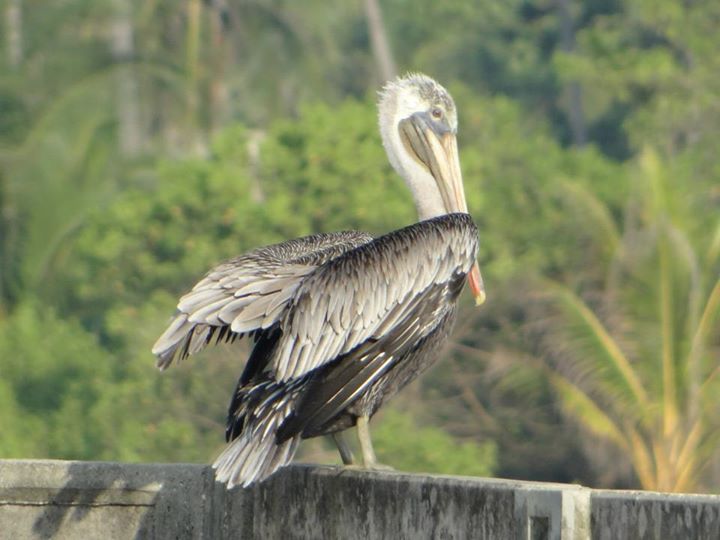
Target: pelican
340,321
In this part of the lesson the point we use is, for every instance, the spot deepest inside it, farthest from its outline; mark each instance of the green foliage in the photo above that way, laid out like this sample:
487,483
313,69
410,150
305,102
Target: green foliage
331,168
655,61
177,417
523,186
637,362
158,238
53,372
497,47
201,211
400,442
45,199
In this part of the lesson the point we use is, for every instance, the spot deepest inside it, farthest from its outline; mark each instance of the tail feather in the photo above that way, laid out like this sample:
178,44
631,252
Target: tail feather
257,412
245,462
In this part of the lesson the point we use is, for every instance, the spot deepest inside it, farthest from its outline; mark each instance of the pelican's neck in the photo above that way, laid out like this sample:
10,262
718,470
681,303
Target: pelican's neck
423,186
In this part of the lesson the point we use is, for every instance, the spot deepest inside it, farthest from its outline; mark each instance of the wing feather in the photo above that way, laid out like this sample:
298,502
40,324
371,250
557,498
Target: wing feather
366,292
351,375
248,293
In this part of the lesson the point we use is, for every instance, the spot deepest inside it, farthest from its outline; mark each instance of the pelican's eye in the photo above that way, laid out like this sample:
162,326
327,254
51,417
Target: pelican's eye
437,113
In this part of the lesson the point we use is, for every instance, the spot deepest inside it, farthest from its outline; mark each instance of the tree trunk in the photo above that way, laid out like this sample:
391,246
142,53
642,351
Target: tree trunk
123,51
379,42
13,26
218,87
573,89
8,210
192,61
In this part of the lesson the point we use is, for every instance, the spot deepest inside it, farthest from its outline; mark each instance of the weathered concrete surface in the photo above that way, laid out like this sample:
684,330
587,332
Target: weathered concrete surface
78,500
325,502
641,515
57,499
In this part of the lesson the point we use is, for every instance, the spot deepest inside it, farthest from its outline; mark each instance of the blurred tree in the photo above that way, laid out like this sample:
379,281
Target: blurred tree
46,392
640,365
325,172
48,183
506,48
404,444
573,90
379,40
122,46
633,355
521,185
14,32
651,70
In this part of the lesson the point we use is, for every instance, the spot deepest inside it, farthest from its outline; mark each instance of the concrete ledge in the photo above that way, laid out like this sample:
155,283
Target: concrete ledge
68,499
59,499
641,514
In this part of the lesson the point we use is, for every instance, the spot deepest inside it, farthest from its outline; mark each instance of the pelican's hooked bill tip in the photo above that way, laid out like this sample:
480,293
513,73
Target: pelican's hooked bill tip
477,287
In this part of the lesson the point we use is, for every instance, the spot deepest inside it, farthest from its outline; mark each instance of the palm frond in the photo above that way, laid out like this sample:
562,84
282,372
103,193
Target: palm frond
710,314
666,316
594,213
606,353
580,405
643,462
713,252
686,463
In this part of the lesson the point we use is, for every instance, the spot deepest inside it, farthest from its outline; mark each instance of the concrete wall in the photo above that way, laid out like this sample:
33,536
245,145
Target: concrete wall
59,499
619,515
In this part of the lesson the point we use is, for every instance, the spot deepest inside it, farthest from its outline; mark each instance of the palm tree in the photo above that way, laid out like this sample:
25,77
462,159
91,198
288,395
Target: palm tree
637,361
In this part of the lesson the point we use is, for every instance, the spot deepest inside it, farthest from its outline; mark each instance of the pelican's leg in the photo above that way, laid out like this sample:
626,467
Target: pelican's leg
368,453
345,453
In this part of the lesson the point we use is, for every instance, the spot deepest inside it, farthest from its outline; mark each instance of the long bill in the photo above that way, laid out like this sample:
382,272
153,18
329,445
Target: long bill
435,146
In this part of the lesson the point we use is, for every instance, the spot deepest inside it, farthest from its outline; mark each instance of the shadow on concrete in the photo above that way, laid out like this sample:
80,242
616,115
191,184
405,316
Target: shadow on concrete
75,501
56,499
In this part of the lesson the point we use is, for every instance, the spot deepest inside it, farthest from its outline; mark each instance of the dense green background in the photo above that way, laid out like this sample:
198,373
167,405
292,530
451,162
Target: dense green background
142,142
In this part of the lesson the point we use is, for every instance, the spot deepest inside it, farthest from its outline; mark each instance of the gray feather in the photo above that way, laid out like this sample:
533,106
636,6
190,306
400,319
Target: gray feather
266,280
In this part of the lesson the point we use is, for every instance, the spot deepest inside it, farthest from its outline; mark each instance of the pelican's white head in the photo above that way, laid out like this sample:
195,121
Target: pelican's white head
418,126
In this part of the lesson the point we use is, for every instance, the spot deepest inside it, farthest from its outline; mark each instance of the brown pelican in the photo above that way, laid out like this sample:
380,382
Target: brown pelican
341,321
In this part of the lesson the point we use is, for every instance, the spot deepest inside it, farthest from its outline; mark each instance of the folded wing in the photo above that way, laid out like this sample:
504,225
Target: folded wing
370,292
